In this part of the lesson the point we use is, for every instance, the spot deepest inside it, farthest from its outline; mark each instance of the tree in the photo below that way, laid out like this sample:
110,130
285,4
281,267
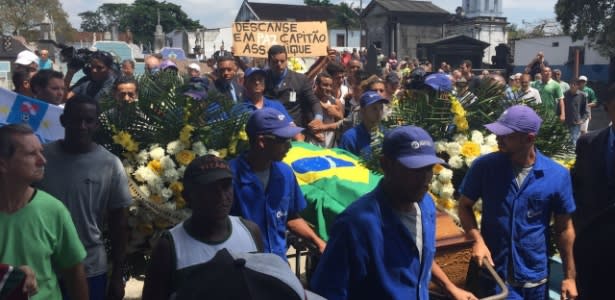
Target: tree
317,2
592,19
91,21
141,17
346,17
99,20
23,18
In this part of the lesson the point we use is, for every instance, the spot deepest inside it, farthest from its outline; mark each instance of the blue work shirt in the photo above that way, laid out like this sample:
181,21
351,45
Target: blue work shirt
372,255
270,208
357,140
515,219
247,103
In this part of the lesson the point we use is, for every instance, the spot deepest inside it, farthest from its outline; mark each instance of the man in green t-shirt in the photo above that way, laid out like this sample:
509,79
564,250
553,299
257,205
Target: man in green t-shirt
592,101
550,94
37,229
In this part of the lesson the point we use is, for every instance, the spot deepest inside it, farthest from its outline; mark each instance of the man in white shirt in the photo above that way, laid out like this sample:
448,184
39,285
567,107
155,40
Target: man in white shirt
527,93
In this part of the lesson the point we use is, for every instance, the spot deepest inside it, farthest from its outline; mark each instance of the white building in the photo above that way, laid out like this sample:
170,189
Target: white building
482,20
560,52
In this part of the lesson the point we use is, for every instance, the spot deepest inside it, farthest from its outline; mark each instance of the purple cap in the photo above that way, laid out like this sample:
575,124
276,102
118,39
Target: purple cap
270,121
439,82
165,64
370,97
252,71
518,118
412,146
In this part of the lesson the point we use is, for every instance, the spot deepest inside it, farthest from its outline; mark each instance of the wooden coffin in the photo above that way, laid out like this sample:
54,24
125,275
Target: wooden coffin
453,250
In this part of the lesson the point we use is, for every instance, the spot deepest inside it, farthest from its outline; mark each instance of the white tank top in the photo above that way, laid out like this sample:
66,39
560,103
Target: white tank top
189,251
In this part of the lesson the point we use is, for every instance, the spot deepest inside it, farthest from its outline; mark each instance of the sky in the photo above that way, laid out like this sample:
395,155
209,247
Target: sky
215,13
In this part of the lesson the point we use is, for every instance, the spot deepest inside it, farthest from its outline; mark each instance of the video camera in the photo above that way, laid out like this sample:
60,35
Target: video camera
75,58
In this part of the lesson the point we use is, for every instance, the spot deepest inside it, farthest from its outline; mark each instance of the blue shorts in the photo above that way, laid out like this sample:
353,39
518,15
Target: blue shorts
97,286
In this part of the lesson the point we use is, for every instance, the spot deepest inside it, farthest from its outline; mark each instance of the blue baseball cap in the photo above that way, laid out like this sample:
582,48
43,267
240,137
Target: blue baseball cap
251,71
270,121
370,97
412,146
439,82
517,118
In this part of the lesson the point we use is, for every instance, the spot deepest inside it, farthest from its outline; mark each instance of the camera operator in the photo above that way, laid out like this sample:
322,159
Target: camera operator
99,79
536,65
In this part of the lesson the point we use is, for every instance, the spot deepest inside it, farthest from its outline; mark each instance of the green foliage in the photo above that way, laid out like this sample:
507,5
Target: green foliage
141,17
163,111
317,2
589,18
432,112
23,18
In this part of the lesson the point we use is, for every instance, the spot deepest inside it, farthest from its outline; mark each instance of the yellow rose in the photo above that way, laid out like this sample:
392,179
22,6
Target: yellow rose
243,136
184,157
125,140
185,133
177,187
223,153
449,204
162,224
180,202
155,166
437,168
145,228
155,198
470,149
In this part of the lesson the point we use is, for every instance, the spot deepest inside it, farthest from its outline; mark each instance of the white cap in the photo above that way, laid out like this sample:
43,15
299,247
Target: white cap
194,67
26,57
583,78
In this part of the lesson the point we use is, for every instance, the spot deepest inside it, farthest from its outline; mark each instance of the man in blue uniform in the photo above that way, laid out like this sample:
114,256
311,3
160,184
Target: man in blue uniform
266,190
382,246
521,189
358,139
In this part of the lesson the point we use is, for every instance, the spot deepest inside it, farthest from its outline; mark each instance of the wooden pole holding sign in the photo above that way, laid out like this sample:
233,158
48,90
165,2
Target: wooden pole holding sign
301,39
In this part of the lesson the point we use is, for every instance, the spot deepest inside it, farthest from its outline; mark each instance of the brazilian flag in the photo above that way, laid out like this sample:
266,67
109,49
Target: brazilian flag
330,179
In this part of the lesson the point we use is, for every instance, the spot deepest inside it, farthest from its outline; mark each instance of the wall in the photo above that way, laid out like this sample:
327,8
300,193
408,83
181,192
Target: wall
354,38
595,66
410,35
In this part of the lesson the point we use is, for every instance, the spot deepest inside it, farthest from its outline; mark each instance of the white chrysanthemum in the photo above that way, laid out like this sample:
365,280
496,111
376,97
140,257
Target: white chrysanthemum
445,175
199,148
169,205
440,146
477,137
213,152
456,162
460,138
166,193
469,161
171,175
174,147
142,157
453,149
167,163
145,190
181,171
436,187
153,146
155,185
142,174
447,191
129,169
491,140
156,153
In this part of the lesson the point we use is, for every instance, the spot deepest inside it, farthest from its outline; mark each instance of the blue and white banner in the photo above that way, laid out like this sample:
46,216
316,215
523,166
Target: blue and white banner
44,118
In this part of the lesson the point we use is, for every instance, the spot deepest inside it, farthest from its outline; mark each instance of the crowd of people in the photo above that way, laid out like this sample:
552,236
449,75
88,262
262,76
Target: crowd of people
57,199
